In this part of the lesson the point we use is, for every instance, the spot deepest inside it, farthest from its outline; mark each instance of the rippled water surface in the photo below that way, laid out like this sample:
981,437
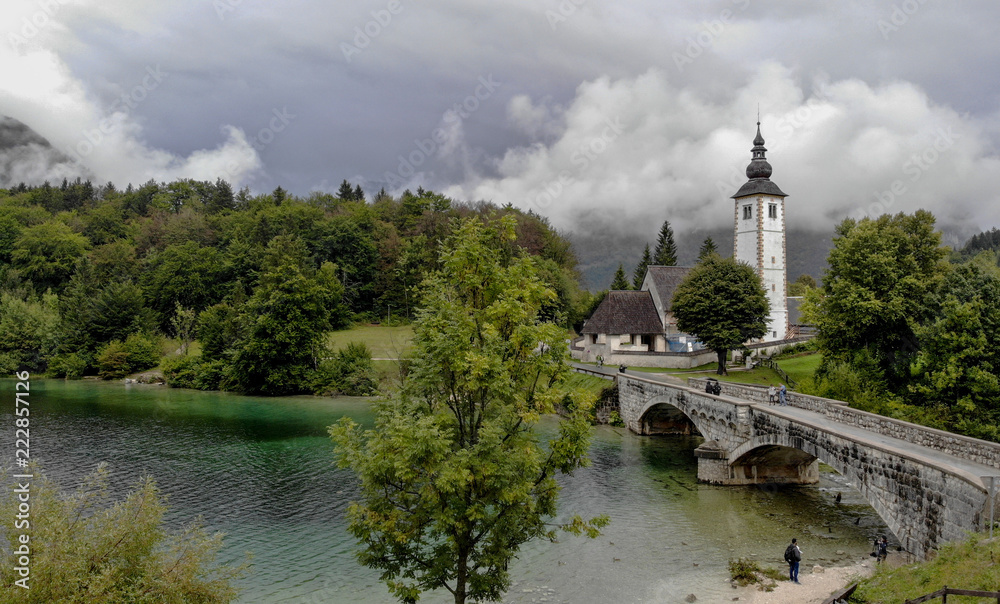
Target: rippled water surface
261,471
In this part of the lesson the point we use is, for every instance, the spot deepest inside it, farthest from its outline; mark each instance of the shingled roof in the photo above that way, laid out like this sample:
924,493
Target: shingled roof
625,312
665,280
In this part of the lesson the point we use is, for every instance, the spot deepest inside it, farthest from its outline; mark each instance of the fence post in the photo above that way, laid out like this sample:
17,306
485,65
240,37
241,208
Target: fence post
944,596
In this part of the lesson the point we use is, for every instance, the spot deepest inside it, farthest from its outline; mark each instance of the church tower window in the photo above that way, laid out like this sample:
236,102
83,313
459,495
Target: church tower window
772,210
747,213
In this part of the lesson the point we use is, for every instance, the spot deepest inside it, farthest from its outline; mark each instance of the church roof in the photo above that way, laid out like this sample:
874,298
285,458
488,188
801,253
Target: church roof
625,312
666,279
759,172
759,186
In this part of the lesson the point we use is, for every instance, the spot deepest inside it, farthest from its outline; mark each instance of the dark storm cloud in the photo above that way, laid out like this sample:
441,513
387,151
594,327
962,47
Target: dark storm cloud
305,93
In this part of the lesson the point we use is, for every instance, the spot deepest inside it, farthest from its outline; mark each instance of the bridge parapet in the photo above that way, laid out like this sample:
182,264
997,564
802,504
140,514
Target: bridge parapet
758,394
963,447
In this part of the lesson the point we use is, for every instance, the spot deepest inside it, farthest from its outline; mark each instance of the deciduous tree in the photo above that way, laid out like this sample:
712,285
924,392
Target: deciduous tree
723,304
453,477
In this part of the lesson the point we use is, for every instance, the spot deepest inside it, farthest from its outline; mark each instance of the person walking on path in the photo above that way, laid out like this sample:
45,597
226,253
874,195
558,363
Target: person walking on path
771,393
781,396
793,555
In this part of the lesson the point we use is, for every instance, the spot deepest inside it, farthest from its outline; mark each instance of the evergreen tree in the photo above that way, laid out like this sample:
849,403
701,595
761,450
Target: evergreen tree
620,282
640,270
358,194
666,249
345,191
708,247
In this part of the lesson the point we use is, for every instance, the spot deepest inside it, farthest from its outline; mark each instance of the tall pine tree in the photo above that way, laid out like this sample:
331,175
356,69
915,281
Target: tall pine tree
666,249
708,247
640,270
620,282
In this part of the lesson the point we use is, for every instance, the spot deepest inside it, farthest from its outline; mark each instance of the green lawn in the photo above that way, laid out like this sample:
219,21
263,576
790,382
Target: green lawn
383,342
801,367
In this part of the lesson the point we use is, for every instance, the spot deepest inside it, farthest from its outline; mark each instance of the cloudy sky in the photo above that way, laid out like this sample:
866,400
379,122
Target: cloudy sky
598,114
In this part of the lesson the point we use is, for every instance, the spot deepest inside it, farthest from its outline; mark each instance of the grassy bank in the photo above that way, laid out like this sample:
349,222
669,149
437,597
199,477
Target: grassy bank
384,342
972,564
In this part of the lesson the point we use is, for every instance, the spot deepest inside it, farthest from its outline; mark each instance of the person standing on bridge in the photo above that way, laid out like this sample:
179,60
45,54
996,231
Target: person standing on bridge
772,392
781,396
793,555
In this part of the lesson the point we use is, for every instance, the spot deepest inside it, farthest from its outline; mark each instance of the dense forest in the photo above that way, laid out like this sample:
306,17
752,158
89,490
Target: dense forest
95,280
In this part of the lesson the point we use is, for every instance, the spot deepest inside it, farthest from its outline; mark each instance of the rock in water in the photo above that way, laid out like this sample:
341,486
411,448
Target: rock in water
691,598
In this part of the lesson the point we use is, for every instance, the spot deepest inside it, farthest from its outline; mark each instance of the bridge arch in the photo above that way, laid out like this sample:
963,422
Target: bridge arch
777,450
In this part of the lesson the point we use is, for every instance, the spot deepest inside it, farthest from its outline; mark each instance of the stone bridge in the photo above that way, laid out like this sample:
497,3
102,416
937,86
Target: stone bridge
929,486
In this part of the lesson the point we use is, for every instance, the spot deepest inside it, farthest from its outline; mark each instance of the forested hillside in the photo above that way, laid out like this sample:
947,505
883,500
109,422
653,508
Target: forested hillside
93,278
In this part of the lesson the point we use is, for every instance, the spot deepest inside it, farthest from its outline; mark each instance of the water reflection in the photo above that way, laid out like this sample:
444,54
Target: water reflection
261,471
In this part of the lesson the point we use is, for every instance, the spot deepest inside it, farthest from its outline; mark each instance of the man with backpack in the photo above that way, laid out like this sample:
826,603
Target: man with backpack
793,555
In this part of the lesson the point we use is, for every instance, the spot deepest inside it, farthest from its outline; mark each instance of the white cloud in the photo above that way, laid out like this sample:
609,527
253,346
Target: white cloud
840,149
107,140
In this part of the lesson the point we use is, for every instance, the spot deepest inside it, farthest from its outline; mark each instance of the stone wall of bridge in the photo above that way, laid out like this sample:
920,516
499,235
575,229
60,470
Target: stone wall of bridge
924,504
963,447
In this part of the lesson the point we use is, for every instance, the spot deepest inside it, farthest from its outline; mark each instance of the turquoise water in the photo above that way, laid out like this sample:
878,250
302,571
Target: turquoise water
261,470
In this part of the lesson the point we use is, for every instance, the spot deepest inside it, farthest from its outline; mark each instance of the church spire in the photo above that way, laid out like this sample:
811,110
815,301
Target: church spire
759,170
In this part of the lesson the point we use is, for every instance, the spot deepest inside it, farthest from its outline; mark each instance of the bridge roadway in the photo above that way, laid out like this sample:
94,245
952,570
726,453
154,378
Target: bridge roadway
900,478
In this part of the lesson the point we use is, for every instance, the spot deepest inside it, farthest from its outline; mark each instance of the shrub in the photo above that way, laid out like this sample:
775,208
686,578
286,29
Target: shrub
180,372
117,359
349,372
748,572
88,548
112,361
70,365
143,352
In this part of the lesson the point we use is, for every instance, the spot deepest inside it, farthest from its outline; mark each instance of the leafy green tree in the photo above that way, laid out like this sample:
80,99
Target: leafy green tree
881,272
285,320
28,332
187,274
453,478
707,247
800,286
956,372
46,253
86,548
722,302
640,270
619,281
666,249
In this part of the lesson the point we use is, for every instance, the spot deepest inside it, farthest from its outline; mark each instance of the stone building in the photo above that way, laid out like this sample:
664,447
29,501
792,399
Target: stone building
629,326
759,236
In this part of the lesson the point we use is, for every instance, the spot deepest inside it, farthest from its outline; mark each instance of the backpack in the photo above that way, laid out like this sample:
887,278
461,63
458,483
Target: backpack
790,553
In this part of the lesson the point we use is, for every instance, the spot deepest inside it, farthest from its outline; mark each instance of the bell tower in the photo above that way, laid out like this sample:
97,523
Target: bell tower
759,235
